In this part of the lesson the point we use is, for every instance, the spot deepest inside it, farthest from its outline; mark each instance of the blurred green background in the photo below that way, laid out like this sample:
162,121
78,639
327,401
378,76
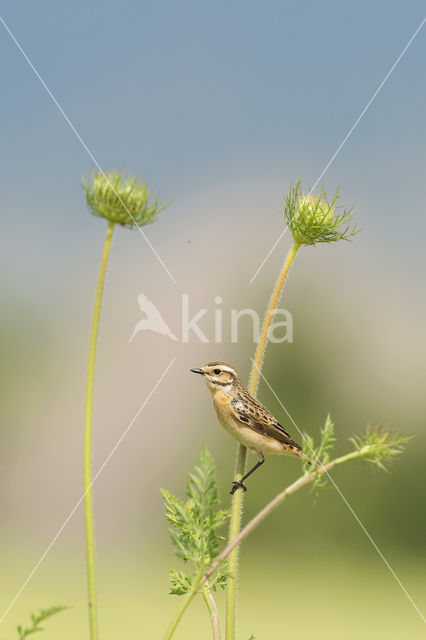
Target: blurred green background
221,106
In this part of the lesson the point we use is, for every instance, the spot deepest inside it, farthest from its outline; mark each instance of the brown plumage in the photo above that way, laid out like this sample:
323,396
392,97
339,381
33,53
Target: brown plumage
244,417
253,413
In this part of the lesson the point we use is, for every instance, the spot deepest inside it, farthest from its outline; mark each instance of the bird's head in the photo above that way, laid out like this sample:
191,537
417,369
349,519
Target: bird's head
218,375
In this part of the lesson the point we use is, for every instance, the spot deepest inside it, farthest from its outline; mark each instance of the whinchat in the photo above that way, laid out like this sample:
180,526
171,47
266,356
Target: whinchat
245,418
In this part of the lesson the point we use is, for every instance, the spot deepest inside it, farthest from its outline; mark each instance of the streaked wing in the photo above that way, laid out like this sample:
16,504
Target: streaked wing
254,415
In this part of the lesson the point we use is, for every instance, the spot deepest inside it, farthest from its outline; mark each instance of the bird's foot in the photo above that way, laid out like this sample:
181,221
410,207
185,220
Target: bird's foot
237,484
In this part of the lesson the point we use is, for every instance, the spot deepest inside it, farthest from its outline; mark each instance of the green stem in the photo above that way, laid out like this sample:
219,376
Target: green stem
234,528
185,604
87,455
237,501
214,613
269,315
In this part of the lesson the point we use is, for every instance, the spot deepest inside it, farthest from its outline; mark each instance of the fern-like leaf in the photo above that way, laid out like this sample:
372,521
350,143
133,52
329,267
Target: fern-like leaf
194,524
380,447
319,455
37,620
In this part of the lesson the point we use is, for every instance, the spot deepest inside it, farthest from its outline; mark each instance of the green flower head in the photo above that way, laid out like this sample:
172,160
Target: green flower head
122,200
312,219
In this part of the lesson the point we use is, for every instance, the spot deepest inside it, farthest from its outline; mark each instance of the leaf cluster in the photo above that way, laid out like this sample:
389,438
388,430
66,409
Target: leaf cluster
37,620
319,455
119,199
314,219
195,523
379,446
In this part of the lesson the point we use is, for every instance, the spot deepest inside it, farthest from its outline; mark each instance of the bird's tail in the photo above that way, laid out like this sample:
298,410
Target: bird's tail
298,451
305,458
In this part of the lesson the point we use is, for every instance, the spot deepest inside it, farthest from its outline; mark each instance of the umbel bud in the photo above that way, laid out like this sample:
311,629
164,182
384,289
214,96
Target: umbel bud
121,200
312,219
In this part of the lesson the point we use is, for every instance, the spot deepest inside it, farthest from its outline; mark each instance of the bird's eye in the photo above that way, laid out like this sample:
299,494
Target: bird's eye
216,372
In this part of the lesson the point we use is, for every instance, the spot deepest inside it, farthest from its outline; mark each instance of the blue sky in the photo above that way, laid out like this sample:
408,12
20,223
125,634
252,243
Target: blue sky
183,93
218,106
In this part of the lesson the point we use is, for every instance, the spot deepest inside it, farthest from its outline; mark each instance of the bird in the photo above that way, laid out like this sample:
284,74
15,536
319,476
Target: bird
153,321
246,418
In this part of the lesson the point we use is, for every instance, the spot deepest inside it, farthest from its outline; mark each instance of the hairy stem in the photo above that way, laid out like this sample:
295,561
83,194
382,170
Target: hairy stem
186,601
87,455
269,315
237,501
267,510
234,528
214,613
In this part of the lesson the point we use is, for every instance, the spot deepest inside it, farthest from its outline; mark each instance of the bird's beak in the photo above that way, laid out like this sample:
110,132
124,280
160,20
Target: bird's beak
198,371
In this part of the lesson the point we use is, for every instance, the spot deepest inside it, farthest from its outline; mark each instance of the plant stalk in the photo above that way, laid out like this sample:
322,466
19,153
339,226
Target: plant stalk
214,613
234,528
87,455
267,510
269,315
237,501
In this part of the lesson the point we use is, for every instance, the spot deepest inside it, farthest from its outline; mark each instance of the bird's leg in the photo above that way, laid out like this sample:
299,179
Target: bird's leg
238,484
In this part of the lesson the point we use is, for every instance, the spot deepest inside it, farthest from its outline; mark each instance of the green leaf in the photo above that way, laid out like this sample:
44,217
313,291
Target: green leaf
319,455
327,441
37,619
201,487
380,447
220,578
194,523
179,583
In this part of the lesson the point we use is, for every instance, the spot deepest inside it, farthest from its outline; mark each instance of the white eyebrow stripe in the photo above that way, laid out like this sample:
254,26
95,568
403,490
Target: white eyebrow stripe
227,369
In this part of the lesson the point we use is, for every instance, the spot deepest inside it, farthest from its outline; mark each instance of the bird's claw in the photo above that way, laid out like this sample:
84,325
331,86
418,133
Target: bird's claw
237,484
